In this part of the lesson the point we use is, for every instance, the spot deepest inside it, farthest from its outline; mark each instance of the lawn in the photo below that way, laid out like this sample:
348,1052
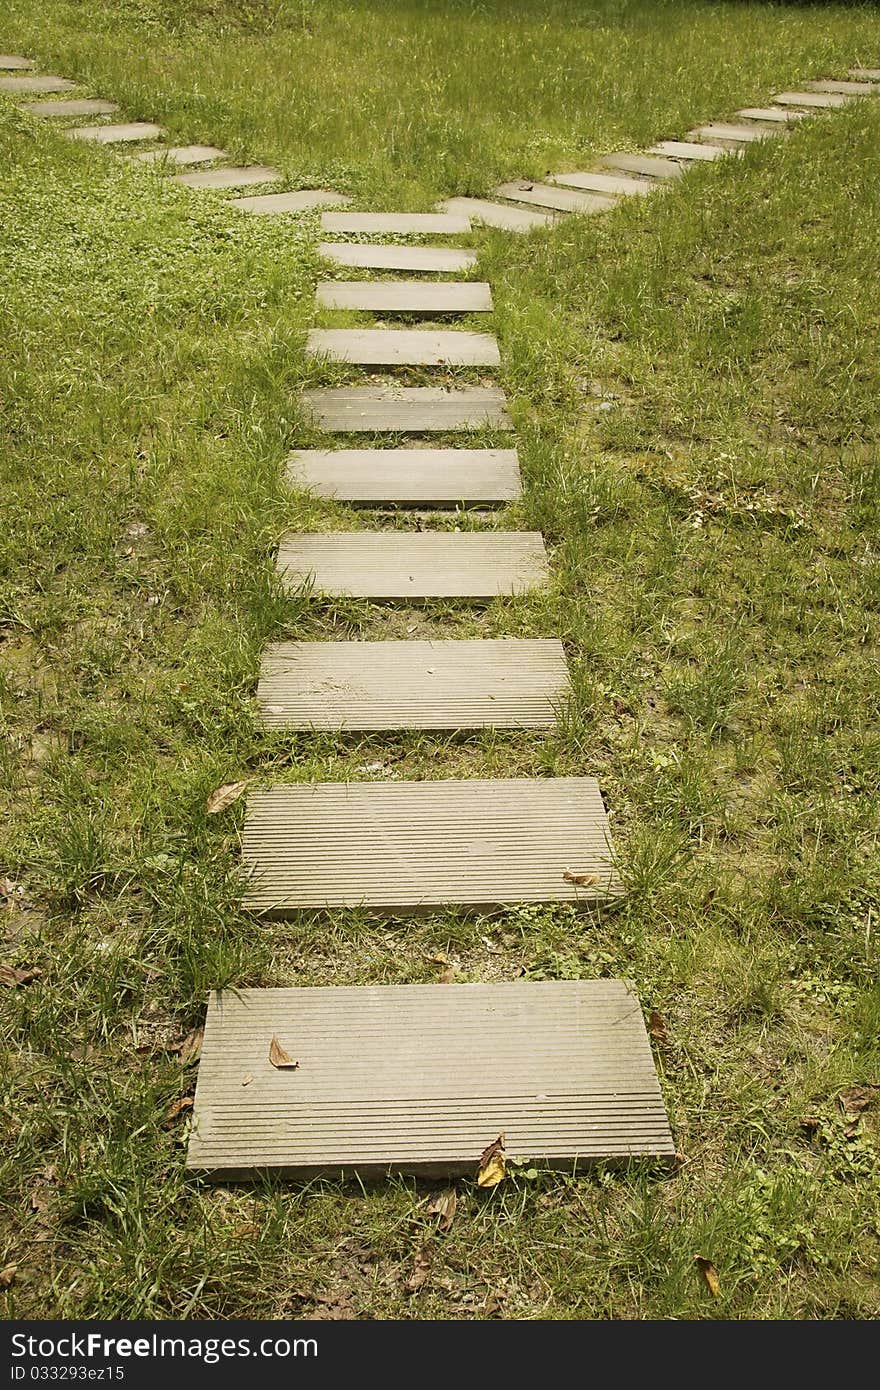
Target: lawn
695,385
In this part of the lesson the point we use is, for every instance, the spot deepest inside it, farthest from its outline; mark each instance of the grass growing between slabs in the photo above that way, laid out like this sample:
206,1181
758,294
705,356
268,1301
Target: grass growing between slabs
695,390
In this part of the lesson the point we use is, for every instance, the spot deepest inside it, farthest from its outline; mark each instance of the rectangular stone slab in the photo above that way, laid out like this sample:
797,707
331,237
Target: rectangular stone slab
847,88
443,259
779,115
10,62
408,477
182,154
721,133
401,846
393,347
421,1079
301,200
817,99
499,214
406,296
865,74
648,165
236,177
388,222
501,684
407,410
116,134
546,196
28,85
407,567
617,186
685,150
84,106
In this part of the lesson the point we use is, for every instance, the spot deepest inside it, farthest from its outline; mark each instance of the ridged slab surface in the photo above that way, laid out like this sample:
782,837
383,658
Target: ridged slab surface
499,214
400,347
616,186
502,684
116,134
684,150
408,845
407,566
407,410
546,196
34,85
820,100
235,177
84,106
648,165
395,222
402,477
302,200
406,296
442,259
421,1079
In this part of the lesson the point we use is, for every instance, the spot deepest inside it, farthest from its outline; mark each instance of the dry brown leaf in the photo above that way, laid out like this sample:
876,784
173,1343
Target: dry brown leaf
8,887
441,958
444,1207
224,796
190,1049
581,880
421,1268
279,1058
448,975
657,1027
177,1108
12,976
7,1276
709,1273
855,1099
493,1164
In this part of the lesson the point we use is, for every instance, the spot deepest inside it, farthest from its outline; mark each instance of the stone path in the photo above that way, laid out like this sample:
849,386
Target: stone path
420,477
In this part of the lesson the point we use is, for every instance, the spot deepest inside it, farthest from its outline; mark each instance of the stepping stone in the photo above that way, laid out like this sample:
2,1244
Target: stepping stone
421,1079
26,85
722,134
424,258
847,88
406,296
299,201
498,214
408,477
772,113
604,183
182,154
408,566
865,74
10,61
229,178
649,166
408,409
563,199
685,150
817,99
116,134
401,846
403,222
87,106
404,347
500,684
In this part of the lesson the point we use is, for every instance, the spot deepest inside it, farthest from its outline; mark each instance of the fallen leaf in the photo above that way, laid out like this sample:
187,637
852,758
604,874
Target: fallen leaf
657,1027
8,887
279,1058
177,1108
444,1206
191,1047
421,1268
709,1273
448,975
855,1099
7,1276
246,1080
493,1164
11,976
224,796
582,880
441,958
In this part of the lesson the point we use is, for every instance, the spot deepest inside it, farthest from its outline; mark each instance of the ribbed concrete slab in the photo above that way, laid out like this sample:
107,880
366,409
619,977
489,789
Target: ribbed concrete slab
865,74
546,196
234,177
406,296
442,259
25,86
501,684
846,88
408,845
406,567
408,477
779,115
12,61
499,214
649,166
395,347
685,150
395,222
389,1080
116,134
302,200
721,133
617,186
183,154
817,99
84,106
408,410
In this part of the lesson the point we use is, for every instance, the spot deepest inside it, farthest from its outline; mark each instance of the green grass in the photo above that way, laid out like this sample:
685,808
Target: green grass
715,582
